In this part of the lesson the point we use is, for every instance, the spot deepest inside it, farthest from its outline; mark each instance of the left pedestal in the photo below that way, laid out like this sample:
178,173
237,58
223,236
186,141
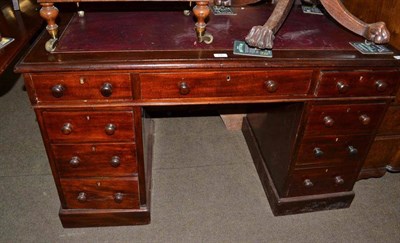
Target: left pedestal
94,142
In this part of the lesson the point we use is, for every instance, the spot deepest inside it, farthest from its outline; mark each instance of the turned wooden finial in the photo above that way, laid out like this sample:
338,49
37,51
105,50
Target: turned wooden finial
201,11
49,12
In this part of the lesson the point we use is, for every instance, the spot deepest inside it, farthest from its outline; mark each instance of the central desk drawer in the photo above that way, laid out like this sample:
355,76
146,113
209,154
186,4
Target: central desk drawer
86,126
84,160
225,84
116,193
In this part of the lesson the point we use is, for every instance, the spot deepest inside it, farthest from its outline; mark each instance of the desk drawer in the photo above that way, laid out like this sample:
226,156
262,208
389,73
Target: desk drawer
332,151
83,160
357,83
117,193
225,84
86,126
66,87
319,181
344,119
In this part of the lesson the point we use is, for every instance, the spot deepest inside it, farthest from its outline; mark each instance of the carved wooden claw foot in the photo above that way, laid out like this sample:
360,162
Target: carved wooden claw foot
263,36
377,33
260,37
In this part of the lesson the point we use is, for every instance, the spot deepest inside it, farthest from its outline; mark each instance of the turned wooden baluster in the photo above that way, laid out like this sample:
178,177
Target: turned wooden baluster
263,36
375,32
202,11
49,12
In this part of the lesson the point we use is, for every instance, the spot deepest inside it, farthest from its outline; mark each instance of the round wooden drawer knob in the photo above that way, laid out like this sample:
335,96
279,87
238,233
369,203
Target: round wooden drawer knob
58,90
118,197
82,197
66,128
342,87
184,88
75,161
115,161
110,129
381,85
271,86
352,150
318,153
308,183
106,90
339,180
365,119
328,121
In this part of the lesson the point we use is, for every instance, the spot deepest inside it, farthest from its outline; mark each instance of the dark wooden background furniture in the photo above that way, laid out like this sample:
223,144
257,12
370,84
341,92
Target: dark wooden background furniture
384,153
313,110
263,36
385,10
22,25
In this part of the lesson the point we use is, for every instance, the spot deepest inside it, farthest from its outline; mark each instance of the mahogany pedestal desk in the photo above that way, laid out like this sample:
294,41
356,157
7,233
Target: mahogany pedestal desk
313,109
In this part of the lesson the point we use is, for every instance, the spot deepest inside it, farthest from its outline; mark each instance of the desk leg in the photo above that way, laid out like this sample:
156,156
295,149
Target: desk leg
202,11
49,12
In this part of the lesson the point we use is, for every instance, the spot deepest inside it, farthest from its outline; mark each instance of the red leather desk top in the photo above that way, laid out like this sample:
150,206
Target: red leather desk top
150,30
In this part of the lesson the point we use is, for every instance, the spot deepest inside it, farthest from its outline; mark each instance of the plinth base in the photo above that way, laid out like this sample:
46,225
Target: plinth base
73,218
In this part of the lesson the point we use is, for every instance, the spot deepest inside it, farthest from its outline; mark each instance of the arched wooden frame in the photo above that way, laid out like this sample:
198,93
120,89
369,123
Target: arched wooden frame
263,36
